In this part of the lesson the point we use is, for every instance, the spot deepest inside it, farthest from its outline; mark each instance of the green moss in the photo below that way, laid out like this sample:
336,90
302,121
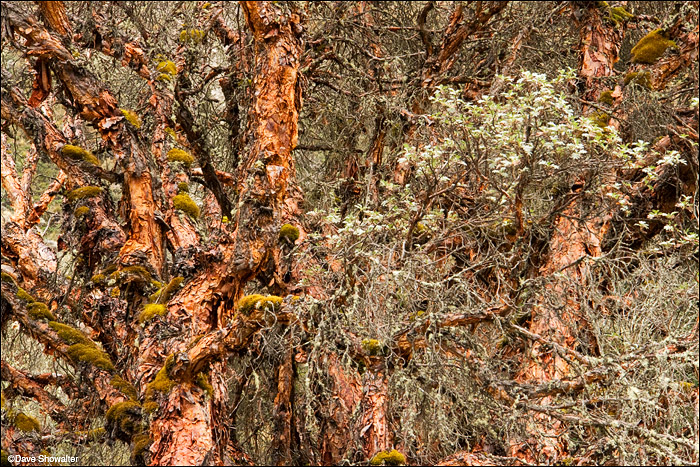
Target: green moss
140,443
152,310
193,35
164,294
24,296
162,382
114,293
606,97
600,119
616,15
155,296
90,354
121,409
170,131
6,277
392,457
183,187
203,382
642,79
421,233
84,192
98,279
126,415
167,66
70,335
178,155
289,232
81,212
40,311
416,315
372,346
139,271
256,301
247,303
78,153
164,77
651,47
184,203
620,14
150,407
224,220
26,423
131,117
124,387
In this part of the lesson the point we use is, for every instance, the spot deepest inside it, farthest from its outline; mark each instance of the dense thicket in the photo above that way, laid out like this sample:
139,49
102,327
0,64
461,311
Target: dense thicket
350,232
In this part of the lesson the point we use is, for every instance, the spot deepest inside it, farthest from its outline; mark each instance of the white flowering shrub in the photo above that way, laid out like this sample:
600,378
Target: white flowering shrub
467,229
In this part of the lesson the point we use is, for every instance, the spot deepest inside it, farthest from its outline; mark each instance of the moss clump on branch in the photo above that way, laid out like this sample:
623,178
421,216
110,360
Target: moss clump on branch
140,443
642,79
162,382
90,354
167,66
256,301
372,346
24,296
203,382
164,77
606,97
416,315
651,47
615,15
130,271
6,277
152,310
80,212
69,334
39,311
126,415
98,279
124,387
26,423
164,294
150,407
178,155
183,187
392,457
194,35
131,117
84,192
619,14
184,203
114,293
289,232
80,154
94,435
600,119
